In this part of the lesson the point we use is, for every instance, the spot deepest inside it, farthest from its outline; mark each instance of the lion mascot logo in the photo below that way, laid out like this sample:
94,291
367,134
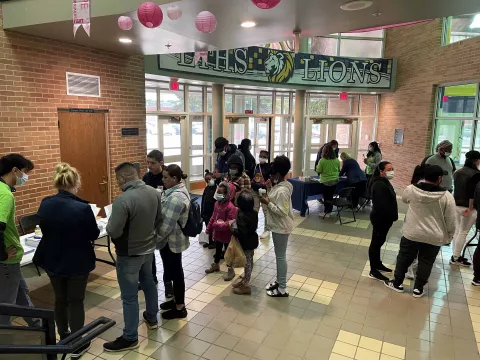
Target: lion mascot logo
279,66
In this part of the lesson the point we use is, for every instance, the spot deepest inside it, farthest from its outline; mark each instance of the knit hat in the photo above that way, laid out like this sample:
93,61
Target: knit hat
235,159
445,144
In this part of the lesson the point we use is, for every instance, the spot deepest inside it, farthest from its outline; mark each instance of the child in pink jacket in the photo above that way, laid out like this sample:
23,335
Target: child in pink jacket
224,213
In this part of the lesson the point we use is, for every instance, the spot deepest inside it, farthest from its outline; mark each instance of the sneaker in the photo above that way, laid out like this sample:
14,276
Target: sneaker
169,290
242,290
391,285
212,246
206,245
120,344
78,353
150,325
459,261
168,305
475,282
376,275
212,269
229,275
175,314
418,292
383,268
265,235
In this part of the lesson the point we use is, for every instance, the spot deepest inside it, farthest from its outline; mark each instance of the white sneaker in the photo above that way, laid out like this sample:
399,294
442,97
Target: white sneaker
265,235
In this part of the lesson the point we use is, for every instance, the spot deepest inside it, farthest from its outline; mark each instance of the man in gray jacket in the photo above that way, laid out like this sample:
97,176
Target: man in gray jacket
429,224
135,216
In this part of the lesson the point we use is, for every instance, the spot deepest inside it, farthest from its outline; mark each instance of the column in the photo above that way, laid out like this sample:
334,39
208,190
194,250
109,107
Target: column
298,133
218,111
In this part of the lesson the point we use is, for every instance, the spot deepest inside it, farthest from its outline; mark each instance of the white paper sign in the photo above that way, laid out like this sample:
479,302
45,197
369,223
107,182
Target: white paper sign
81,15
108,210
95,209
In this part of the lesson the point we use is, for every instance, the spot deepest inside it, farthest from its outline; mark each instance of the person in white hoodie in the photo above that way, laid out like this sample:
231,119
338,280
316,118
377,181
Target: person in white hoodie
280,220
429,224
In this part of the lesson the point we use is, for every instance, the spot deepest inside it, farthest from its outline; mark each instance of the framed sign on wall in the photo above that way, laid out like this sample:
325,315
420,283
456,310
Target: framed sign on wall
398,136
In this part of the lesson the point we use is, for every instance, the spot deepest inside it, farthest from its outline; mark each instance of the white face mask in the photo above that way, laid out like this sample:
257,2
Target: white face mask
211,182
447,154
262,161
390,174
219,197
334,148
233,172
22,179
370,149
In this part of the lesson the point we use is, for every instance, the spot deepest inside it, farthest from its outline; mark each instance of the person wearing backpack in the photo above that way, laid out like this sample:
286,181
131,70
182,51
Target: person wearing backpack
442,159
172,239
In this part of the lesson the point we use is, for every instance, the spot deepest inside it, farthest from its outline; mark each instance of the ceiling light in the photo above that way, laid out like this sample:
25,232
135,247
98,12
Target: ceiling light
476,22
377,14
125,40
356,5
248,24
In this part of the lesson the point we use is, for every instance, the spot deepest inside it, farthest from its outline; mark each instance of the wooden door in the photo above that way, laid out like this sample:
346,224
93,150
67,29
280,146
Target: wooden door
83,144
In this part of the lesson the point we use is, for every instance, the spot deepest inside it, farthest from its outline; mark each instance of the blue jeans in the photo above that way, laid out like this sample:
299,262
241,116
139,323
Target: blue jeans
280,242
14,290
131,270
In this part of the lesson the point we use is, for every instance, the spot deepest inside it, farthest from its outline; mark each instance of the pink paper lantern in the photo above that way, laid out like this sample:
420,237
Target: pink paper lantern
174,12
343,96
206,22
150,15
125,22
266,4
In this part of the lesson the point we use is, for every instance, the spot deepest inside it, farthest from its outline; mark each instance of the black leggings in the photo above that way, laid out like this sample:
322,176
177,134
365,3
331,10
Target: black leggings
173,270
360,188
328,192
379,236
218,252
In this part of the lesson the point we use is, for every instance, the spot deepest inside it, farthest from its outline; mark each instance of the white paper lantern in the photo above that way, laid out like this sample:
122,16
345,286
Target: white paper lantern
174,12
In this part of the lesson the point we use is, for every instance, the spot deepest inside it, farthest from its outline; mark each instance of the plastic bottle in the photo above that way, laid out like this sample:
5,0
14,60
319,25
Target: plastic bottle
38,232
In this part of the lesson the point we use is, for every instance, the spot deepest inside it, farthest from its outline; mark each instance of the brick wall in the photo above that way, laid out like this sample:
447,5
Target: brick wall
32,87
422,65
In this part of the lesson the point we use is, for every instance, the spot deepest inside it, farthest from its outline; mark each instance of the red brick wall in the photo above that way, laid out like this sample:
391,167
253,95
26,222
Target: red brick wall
32,87
422,65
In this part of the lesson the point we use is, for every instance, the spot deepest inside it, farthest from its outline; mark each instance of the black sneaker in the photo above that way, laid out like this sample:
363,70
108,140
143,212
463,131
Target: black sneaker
206,245
168,305
169,290
460,261
120,344
78,353
212,246
376,275
175,314
475,282
418,292
150,325
391,285
383,268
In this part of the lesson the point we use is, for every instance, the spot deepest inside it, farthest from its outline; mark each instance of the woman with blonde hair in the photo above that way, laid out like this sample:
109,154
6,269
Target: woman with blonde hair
66,250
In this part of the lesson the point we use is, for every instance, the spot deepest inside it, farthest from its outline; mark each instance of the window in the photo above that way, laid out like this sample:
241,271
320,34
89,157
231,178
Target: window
457,119
151,99
362,44
173,101
195,99
459,28
228,103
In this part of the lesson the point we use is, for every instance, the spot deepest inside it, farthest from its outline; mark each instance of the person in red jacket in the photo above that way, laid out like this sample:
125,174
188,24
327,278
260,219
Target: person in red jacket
224,213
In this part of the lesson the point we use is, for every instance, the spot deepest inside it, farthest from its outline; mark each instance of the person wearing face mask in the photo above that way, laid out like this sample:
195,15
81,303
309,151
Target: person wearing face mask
14,169
429,224
237,175
224,150
245,148
208,204
384,214
262,175
374,157
132,228
67,260
333,144
465,182
224,214
442,159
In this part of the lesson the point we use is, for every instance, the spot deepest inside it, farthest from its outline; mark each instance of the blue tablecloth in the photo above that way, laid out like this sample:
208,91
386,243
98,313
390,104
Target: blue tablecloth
304,191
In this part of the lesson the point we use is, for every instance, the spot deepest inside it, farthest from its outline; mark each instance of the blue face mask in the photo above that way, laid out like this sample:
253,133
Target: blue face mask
22,179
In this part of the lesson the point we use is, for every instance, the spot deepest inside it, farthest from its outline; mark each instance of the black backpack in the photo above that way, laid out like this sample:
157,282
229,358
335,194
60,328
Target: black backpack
418,172
194,224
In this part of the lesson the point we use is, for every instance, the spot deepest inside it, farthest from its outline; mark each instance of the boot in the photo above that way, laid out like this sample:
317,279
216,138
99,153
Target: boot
238,283
229,275
242,290
213,269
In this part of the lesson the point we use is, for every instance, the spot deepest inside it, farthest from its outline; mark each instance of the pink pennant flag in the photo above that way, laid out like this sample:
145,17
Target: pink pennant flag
81,15
201,55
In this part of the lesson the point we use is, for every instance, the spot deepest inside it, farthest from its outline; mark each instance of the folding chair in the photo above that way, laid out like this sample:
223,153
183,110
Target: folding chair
27,225
344,199
469,242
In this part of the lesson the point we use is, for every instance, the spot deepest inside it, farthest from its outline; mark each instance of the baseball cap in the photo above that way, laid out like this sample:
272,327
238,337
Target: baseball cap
433,172
220,144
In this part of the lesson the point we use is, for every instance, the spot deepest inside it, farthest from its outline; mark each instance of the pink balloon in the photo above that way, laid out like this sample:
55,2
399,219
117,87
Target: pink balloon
266,4
150,15
174,12
206,22
125,22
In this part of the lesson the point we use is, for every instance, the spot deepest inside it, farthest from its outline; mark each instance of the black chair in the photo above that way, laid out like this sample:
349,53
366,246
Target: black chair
28,223
343,200
469,242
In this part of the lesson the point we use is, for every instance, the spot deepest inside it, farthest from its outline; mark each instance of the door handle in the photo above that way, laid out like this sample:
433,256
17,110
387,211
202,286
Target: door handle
103,184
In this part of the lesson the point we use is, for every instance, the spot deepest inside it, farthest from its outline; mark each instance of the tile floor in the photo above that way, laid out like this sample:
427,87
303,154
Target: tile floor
333,312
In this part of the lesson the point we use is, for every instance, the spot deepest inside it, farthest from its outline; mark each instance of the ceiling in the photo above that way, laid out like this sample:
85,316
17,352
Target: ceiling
311,17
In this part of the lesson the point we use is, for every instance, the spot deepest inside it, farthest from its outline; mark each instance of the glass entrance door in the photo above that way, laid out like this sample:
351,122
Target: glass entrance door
170,141
255,129
321,131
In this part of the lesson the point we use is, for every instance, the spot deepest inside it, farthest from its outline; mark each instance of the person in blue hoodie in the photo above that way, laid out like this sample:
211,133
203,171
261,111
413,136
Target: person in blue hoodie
356,178
224,150
261,175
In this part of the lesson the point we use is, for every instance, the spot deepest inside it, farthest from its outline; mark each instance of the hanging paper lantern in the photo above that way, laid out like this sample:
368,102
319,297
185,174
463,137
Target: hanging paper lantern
206,22
343,96
125,22
174,12
266,4
150,15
